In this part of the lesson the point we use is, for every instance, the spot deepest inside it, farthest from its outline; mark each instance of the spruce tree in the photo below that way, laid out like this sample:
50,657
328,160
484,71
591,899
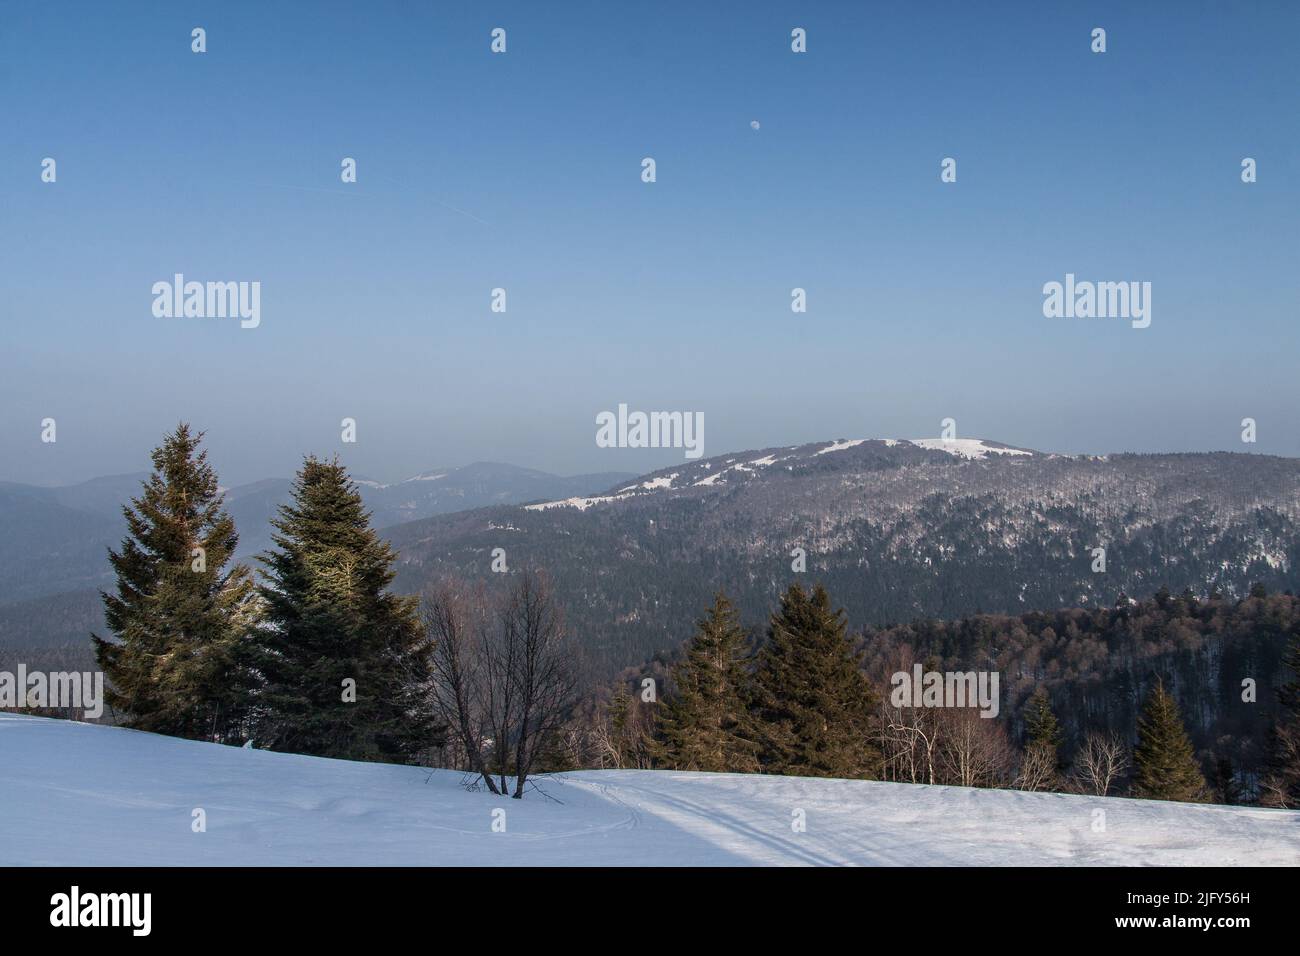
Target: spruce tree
704,724
180,617
345,660
1041,766
813,704
620,714
1041,725
1281,783
1164,763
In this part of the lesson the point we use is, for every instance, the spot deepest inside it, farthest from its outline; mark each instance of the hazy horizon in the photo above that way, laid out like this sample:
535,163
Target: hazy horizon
668,456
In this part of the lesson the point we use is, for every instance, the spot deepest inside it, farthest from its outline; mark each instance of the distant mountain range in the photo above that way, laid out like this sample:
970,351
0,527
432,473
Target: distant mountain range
896,530
53,540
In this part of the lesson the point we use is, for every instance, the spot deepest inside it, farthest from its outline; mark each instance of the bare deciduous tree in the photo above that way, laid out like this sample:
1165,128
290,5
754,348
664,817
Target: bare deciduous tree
451,617
907,738
1101,761
942,745
504,676
1038,768
535,661
973,750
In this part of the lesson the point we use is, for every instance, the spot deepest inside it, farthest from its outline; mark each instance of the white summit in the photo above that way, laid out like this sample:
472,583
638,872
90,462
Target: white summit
970,448
973,448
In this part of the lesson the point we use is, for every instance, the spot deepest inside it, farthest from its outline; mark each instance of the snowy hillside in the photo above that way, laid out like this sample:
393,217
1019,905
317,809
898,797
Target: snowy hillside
79,794
716,472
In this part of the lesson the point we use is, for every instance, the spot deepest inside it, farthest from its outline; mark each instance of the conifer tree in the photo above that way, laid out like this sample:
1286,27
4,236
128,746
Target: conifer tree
1041,725
626,739
812,702
181,618
1040,768
1164,763
1281,783
345,660
705,724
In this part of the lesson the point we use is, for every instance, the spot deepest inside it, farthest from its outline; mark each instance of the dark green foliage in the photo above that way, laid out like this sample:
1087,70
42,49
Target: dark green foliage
905,532
181,618
1164,765
1226,789
705,723
813,703
629,739
1041,763
1094,663
1281,785
1041,726
330,619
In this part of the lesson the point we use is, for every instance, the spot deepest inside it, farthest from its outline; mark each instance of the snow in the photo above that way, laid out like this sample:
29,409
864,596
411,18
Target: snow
743,466
840,445
75,794
972,448
663,481
582,504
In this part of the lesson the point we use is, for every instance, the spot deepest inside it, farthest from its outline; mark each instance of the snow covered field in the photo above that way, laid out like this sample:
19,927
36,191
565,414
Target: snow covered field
79,794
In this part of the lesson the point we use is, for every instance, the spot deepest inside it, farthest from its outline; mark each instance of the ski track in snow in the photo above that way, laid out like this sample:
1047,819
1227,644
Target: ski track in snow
85,795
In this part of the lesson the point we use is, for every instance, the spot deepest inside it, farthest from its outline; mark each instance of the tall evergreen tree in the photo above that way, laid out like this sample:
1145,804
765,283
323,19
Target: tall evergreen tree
181,618
705,723
1281,783
813,703
1164,763
1040,768
1041,725
345,660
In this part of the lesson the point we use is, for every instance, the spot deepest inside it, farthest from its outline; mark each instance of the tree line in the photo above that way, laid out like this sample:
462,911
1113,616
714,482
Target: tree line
318,655
800,701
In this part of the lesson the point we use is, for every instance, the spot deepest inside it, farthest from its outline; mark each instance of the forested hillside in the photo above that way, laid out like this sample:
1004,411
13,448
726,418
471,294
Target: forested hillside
895,531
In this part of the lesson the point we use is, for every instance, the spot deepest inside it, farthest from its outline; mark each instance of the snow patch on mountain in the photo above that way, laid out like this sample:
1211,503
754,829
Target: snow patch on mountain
971,448
841,445
582,504
663,481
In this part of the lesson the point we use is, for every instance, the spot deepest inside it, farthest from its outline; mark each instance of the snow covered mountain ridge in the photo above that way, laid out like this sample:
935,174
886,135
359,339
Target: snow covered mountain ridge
894,529
711,472
92,795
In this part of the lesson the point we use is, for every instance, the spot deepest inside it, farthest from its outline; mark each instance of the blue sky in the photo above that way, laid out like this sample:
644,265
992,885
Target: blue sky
522,171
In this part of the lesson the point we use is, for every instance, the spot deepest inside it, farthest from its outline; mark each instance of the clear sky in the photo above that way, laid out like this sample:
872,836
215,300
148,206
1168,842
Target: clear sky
523,170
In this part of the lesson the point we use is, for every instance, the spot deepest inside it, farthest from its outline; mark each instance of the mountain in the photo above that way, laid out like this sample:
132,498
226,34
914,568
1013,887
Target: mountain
54,540
474,486
97,796
895,529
